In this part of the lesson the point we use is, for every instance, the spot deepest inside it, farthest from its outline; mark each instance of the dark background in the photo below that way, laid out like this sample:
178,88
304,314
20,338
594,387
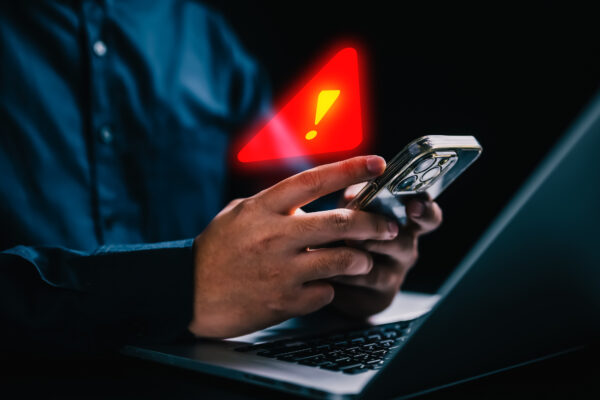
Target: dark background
513,76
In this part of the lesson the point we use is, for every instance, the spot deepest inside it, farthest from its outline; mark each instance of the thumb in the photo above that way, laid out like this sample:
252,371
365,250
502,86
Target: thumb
424,215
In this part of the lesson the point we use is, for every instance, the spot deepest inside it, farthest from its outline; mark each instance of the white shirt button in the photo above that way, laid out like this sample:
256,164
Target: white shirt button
99,48
106,135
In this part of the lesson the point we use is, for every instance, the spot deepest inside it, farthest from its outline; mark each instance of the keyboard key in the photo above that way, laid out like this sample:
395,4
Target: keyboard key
295,344
314,361
350,365
355,334
374,366
331,366
307,356
352,352
287,357
390,334
283,352
340,359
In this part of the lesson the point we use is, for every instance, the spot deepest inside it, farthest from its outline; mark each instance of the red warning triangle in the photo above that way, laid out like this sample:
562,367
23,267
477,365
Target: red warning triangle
325,116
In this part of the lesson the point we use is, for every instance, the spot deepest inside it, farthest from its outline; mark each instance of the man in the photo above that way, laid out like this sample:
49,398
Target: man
115,121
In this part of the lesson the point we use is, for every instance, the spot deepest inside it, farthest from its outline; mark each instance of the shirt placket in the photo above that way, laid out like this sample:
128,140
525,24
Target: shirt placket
114,210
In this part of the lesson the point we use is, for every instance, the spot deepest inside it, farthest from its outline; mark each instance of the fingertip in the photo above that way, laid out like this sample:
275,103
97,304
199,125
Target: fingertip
370,263
438,213
375,164
330,293
353,190
415,208
430,218
362,263
433,212
349,194
325,293
393,229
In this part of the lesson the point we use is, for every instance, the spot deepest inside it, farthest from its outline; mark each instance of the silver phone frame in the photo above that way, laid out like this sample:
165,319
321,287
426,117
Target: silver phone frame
467,150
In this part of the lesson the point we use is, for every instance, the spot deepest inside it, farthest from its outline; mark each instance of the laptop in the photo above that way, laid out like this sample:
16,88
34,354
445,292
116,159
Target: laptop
529,289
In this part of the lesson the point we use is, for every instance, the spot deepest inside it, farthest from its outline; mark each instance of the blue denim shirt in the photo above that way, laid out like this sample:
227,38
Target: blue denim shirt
115,118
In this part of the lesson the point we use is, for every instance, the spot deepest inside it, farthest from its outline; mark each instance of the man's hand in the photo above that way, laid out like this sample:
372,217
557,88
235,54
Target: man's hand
364,295
253,266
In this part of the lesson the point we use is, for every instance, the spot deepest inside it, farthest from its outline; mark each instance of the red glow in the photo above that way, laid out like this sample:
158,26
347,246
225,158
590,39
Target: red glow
338,129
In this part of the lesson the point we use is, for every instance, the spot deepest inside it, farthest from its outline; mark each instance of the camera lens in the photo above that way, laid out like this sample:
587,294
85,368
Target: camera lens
432,173
406,184
443,161
446,162
424,165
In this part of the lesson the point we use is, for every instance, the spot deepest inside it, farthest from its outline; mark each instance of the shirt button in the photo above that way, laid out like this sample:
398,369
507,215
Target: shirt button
99,48
106,135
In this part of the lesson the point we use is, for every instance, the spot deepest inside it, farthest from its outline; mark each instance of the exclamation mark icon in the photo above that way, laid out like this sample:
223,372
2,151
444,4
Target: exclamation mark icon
324,102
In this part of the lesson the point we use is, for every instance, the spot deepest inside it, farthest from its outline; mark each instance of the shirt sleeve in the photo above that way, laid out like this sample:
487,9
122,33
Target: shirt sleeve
54,299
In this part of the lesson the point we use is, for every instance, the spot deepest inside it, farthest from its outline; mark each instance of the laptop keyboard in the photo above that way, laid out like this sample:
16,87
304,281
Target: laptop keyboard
348,352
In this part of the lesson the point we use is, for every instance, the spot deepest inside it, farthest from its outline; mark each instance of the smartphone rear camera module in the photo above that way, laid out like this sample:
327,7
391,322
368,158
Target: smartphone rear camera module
406,185
448,162
424,165
445,159
431,174
420,185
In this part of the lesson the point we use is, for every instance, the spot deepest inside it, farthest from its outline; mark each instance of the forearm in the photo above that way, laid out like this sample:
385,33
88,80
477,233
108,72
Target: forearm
60,299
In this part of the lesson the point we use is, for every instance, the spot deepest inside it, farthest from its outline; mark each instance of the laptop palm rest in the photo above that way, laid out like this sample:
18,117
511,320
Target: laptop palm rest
406,306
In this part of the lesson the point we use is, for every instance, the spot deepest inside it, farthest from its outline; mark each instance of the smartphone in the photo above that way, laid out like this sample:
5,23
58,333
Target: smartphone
426,166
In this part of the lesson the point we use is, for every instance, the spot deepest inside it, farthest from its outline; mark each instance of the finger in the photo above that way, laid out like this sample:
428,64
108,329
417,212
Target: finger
359,301
353,190
313,296
309,185
330,262
321,227
381,278
424,216
404,249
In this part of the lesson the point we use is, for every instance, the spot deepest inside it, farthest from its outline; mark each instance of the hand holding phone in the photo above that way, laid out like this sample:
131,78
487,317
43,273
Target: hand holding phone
426,166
